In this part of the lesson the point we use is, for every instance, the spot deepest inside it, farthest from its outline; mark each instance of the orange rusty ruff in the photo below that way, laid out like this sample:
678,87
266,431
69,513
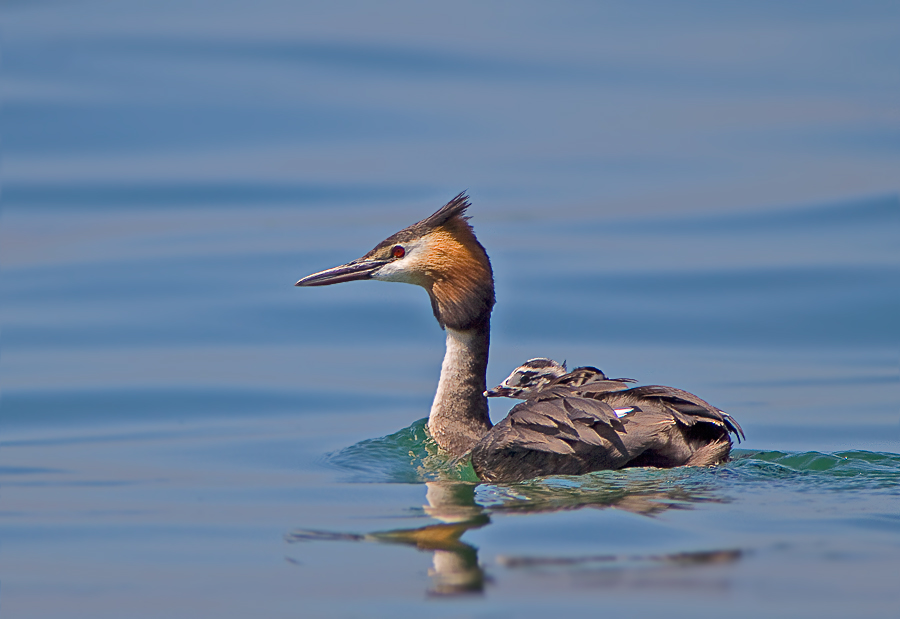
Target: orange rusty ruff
455,262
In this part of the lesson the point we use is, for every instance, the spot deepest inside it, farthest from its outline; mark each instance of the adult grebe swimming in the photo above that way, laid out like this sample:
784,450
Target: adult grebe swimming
570,423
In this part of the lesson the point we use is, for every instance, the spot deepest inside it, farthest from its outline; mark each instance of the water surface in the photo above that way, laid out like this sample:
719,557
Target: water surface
702,197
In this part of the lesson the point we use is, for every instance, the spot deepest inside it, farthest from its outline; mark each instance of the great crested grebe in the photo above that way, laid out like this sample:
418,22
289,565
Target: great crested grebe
570,423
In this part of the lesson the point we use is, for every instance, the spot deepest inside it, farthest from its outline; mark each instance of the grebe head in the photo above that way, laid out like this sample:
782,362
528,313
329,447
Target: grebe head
439,253
528,379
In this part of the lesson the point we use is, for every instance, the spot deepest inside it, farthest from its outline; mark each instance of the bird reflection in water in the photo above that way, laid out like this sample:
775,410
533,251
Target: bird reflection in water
455,566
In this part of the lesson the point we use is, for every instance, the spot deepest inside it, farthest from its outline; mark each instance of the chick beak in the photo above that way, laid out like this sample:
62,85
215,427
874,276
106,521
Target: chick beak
498,392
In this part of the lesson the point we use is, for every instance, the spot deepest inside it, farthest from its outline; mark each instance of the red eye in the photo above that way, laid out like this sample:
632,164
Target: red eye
398,251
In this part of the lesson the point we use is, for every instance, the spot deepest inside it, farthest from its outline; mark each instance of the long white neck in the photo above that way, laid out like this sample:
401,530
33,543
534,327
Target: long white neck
459,415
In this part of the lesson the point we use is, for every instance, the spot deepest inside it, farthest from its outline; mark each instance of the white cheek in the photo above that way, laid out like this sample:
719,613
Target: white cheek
394,272
407,269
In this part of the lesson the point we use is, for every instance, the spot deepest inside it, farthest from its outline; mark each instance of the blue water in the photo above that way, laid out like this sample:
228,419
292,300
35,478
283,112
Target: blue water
692,195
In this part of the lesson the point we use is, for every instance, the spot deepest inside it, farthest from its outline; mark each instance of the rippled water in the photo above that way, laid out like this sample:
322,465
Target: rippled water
704,197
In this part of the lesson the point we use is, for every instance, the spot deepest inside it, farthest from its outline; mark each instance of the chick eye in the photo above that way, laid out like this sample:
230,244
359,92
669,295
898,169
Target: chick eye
398,251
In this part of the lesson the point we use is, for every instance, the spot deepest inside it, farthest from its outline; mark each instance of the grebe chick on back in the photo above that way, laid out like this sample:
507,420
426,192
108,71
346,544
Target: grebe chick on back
535,374
568,424
530,378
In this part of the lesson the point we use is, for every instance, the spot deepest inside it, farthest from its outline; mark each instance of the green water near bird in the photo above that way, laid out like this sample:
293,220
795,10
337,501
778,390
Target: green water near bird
411,456
703,197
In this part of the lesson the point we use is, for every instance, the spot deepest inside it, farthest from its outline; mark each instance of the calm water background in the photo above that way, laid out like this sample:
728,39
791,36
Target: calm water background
688,195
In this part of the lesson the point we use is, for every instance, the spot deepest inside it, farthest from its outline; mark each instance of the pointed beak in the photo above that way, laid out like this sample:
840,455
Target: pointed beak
358,269
498,392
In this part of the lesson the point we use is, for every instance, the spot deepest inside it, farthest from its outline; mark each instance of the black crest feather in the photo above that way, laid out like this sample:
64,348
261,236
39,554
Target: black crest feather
454,208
